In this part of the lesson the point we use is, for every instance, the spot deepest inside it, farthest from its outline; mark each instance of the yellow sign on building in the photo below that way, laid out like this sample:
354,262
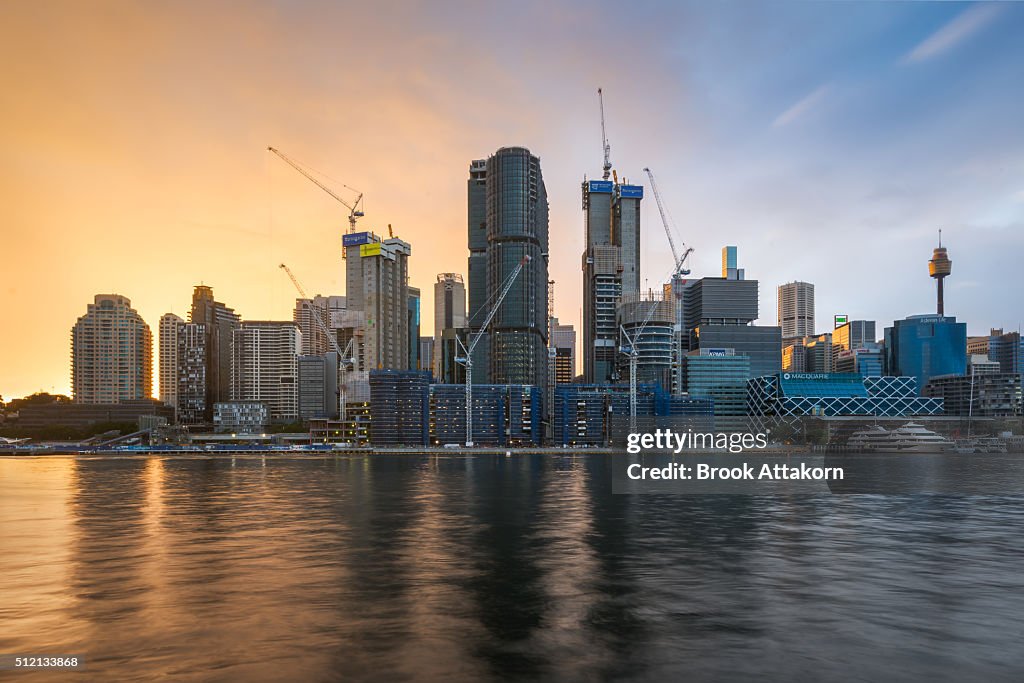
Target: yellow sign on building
371,249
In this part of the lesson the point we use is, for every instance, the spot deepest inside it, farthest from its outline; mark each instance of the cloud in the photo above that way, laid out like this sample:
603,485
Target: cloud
801,107
966,24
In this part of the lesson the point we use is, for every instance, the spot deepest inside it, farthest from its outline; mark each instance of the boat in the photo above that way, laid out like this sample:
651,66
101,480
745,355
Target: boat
981,445
910,438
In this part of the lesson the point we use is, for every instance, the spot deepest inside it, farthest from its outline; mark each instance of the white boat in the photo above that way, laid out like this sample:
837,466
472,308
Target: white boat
910,438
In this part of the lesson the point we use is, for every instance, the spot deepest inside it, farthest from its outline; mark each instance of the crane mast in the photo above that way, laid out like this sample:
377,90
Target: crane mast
604,138
679,270
343,357
634,357
355,210
468,359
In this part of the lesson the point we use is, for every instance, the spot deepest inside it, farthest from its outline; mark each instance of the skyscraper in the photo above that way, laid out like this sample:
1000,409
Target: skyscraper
476,192
517,227
111,353
314,341
377,285
449,312
925,346
265,366
796,309
191,366
611,268
730,269
219,323
168,362
413,312
564,341
718,312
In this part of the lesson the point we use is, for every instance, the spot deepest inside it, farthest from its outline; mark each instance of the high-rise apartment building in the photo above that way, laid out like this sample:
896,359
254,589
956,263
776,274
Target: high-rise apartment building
265,366
220,322
515,225
377,286
449,312
413,313
796,309
314,341
191,366
611,268
476,193
168,359
111,353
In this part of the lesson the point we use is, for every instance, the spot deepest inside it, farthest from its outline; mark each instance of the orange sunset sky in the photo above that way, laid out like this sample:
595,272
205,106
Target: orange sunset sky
134,139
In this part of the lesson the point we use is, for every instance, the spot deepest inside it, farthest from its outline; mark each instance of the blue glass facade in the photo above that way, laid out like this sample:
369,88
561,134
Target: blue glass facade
786,394
503,414
594,415
399,407
721,376
925,346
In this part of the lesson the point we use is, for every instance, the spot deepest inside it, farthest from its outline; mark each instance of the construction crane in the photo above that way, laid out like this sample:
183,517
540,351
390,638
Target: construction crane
679,271
467,360
355,210
634,357
604,138
344,360
679,259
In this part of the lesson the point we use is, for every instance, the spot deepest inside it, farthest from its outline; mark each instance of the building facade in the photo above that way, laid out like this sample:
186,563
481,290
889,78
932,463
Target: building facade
240,417
563,338
514,350
449,311
796,309
785,397
265,366
925,346
318,386
503,415
191,364
377,287
982,394
220,322
648,322
867,360
314,340
611,268
168,360
399,407
720,375
1007,349
111,353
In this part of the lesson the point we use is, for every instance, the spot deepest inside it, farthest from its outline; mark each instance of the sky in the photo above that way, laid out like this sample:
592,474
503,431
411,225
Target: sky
829,141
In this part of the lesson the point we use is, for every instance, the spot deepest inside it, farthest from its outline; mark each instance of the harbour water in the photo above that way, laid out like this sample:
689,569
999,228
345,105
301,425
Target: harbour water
452,567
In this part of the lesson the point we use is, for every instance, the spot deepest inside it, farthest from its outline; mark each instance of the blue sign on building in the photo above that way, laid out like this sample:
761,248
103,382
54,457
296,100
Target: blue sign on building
631,191
604,186
355,238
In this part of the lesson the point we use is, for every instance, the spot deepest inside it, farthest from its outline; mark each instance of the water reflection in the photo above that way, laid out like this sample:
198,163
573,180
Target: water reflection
445,567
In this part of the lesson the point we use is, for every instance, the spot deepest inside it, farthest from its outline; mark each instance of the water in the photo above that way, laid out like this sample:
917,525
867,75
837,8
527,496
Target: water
455,568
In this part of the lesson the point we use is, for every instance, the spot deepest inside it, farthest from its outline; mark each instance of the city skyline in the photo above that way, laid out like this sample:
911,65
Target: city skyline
139,165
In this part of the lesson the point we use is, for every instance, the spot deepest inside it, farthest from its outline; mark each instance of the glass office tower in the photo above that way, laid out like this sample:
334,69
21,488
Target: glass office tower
924,346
